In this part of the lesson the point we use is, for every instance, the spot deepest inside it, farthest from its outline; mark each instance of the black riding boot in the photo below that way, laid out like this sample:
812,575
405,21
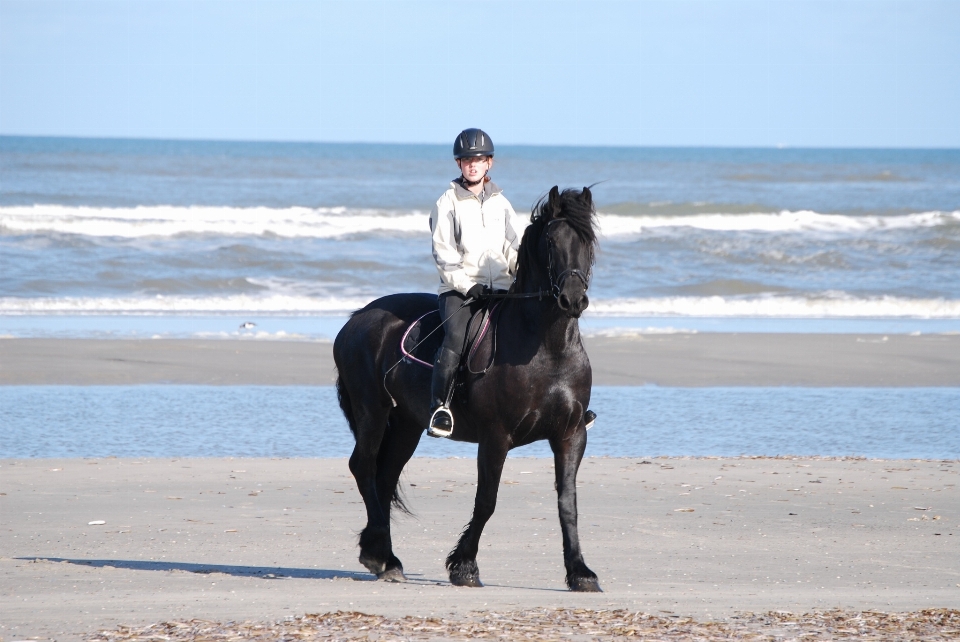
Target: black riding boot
444,371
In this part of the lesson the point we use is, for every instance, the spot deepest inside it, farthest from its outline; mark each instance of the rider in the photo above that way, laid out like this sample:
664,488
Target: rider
476,235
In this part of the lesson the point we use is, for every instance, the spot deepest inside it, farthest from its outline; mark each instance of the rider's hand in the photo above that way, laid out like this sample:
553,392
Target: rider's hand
475,292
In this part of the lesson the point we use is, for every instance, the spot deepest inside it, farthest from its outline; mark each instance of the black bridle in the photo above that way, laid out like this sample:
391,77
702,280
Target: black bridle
556,281
556,287
556,284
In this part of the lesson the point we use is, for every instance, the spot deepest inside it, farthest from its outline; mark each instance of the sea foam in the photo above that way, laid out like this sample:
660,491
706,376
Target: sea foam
775,222
826,305
144,221
332,222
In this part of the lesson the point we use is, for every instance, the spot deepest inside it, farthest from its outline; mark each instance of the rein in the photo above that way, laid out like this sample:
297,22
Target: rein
556,283
556,286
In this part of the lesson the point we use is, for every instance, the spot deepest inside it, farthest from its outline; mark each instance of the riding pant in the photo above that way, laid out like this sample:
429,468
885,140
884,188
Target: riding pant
456,319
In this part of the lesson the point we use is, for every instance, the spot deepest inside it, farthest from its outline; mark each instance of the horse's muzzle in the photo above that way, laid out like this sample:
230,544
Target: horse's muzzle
573,303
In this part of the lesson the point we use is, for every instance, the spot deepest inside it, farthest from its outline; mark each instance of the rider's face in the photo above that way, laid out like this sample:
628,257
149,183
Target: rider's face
473,169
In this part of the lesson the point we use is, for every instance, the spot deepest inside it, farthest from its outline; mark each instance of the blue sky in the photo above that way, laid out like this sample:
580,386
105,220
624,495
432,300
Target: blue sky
813,73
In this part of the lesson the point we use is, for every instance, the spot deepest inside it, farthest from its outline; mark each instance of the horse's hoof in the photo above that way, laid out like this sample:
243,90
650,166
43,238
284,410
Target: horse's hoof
585,585
373,565
392,575
471,580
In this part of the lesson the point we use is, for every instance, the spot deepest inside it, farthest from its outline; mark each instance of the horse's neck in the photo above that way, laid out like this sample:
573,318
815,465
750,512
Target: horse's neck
561,334
539,318
546,325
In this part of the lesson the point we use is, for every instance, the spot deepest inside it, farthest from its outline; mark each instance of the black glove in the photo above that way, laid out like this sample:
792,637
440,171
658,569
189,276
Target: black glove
475,292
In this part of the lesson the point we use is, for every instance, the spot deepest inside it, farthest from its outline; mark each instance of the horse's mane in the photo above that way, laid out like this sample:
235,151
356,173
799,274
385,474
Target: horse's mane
572,205
575,206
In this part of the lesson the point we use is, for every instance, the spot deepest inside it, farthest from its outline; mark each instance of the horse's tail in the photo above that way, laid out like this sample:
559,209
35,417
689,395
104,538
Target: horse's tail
343,398
398,500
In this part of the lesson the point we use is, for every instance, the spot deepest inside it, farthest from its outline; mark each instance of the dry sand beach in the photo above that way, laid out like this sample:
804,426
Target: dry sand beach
92,544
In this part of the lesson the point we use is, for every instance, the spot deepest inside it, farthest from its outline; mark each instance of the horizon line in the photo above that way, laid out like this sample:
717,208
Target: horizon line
778,146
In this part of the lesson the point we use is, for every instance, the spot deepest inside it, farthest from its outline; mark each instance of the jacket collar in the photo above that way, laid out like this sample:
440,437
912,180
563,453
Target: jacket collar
489,189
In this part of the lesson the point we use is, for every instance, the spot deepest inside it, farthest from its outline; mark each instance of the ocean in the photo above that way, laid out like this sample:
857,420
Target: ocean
123,239
141,238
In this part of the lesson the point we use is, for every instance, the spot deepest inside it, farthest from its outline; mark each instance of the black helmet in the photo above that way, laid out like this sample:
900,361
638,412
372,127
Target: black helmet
472,142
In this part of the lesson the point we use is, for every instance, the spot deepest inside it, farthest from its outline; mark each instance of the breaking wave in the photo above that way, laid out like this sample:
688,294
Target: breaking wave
828,305
777,222
832,305
159,221
332,222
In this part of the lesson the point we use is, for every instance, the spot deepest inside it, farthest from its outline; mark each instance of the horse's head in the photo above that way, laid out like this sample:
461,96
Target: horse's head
560,241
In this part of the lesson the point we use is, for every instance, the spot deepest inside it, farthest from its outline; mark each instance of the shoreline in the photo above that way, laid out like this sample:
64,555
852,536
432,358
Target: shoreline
679,360
262,539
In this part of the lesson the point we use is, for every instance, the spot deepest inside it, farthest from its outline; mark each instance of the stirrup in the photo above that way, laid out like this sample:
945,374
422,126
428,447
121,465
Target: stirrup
589,417
435,430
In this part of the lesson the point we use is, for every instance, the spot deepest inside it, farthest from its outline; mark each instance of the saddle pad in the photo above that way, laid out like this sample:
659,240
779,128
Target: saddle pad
422,338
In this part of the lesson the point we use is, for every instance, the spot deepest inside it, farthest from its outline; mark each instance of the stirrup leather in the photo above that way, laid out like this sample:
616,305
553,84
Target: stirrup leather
436,431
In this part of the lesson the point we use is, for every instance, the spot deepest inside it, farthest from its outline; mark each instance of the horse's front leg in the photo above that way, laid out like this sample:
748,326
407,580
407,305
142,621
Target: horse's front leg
462,561
567,454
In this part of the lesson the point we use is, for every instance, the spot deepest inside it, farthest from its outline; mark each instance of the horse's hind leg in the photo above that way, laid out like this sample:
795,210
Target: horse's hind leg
375,545
462,561
567,454
398,445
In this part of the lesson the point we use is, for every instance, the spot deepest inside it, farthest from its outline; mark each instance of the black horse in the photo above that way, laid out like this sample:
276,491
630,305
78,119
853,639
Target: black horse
537,386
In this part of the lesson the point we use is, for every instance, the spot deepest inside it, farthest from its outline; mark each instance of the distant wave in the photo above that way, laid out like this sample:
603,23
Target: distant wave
160,305
802,221
144,221
633,332
332,222
830,305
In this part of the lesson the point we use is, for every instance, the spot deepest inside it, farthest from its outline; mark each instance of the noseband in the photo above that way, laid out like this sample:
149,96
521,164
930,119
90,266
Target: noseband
556,282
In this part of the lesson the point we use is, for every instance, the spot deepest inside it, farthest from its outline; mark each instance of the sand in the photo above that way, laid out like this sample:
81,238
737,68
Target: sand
707,359
241,539
236,539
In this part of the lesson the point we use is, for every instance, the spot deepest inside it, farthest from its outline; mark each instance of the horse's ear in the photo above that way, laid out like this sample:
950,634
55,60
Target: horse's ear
586,196
554,200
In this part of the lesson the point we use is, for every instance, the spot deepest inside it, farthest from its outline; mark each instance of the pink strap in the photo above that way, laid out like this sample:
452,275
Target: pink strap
473,348
483,331
403,340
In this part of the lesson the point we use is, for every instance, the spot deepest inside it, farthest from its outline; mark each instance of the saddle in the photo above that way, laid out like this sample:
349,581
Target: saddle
421,339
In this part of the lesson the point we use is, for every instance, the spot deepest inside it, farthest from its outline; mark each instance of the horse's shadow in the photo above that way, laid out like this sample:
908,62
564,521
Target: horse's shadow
262,572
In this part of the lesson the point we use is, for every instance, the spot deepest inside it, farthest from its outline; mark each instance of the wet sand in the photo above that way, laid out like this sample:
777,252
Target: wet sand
237,539
707,359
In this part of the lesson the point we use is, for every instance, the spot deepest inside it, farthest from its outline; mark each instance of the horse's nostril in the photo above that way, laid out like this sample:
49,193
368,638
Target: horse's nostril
586,302
563,301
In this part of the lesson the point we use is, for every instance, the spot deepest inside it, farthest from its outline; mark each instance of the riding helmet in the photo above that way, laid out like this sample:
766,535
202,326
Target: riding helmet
472,142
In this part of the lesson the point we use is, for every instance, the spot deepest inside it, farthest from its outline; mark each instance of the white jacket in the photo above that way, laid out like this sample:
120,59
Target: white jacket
475,240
